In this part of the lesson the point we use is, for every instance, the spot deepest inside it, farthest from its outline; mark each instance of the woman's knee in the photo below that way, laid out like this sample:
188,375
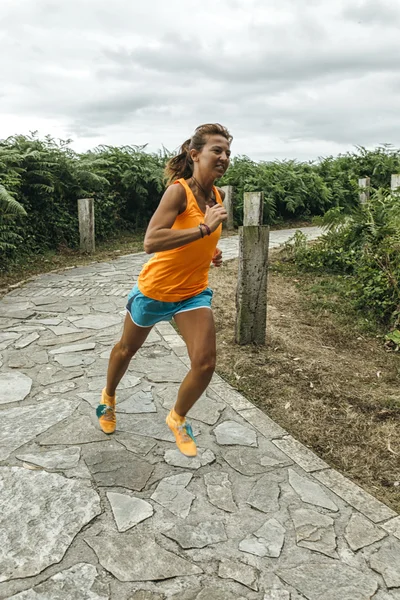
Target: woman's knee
204,364
127,348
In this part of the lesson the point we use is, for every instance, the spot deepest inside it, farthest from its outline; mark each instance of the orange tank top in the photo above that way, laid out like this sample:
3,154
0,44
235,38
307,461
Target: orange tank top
180,273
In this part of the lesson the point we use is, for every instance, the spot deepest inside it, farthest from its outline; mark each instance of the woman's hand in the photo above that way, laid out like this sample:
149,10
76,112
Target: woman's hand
217,258
214,216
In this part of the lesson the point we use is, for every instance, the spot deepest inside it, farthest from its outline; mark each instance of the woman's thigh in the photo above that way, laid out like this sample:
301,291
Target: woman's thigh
197,328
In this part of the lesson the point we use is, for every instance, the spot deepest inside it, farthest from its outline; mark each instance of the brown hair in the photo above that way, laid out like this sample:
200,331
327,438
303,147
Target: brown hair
181,165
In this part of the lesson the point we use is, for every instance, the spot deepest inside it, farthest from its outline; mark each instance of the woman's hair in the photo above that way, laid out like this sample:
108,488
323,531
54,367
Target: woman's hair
181,165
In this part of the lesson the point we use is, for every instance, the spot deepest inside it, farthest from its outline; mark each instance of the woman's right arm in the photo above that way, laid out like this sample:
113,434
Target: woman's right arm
159,235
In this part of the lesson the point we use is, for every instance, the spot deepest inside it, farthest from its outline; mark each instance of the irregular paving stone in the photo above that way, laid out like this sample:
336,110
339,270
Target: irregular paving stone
177,459
96,384
37,301
144,595
49,374
262,423
301,455
93,398
128,511
20,425
219,491
14,387
198,536
97,321
310,492
386,561
158,370
360,532
393,527
215,593
266,541
26,328
40,358
230,433
16,310
240,572
47,321
113,466
74,360
154,351
136,443
54,459
26,341
264,495
81,471
207,409
314,531
277,594
73,348
45,507
64,339
134,556
141,401
8,338
355,496
171,494
230,396
255,461
79,431
329,580
18,360
60,388
63,330
392,595
80,581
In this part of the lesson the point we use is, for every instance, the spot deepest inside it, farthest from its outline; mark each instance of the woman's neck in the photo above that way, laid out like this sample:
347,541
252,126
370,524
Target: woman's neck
204,184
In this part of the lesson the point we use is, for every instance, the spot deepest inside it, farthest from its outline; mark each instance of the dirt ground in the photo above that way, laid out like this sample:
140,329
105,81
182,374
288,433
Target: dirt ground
334,389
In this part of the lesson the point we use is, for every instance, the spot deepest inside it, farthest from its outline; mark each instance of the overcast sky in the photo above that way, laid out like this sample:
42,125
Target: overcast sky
289,78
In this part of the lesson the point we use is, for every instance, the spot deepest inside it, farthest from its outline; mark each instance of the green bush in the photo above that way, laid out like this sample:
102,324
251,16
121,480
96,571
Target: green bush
41,181
364,243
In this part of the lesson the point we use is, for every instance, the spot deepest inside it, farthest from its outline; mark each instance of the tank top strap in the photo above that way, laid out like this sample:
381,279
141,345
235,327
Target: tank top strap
190,199
190,196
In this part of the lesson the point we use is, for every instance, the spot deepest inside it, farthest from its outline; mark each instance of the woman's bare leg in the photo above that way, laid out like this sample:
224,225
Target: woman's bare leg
133,337
198,330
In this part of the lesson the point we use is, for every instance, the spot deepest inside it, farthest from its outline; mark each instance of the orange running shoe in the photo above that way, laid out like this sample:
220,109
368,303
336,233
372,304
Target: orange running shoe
106,413
183,433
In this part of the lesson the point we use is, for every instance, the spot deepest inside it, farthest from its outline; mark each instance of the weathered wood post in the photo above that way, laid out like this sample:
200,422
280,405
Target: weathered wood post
395,182
86,224
364,195
251,296
228,204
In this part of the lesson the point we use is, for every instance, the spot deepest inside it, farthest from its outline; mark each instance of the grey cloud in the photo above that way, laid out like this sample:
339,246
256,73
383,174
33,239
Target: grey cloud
373,12
286,76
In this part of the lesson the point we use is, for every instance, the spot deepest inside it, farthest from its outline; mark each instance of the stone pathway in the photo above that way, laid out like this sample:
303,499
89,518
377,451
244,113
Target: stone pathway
256,516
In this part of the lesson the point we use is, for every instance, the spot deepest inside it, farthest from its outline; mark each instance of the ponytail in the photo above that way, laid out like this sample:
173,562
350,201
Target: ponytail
179,166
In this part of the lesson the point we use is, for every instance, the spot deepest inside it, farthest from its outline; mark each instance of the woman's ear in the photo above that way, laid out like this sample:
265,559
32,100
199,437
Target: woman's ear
193,155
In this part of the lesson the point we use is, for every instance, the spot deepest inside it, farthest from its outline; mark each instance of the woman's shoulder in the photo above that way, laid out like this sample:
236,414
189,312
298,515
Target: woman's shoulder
176,194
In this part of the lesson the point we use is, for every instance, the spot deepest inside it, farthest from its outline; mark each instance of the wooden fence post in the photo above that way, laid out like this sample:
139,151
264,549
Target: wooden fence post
228,204
364,195
251,296
86,224
395,182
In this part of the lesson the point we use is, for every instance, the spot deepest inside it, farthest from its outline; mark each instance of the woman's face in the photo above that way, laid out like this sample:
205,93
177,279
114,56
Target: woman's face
214,157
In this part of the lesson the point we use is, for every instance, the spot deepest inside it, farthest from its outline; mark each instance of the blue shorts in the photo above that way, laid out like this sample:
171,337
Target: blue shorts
146,312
